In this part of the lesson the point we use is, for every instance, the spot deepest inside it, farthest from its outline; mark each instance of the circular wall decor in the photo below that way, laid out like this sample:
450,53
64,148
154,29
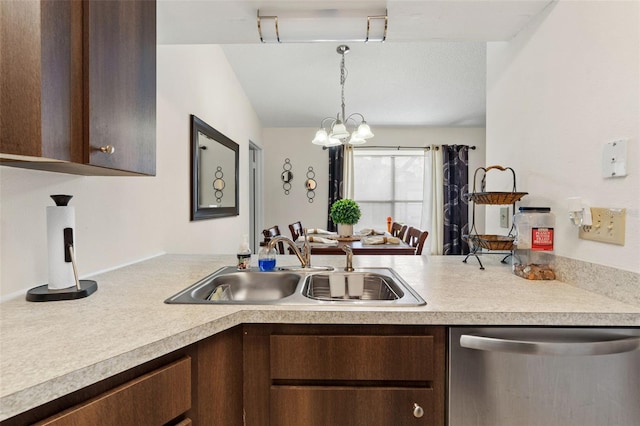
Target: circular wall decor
286,176
311,184
219,184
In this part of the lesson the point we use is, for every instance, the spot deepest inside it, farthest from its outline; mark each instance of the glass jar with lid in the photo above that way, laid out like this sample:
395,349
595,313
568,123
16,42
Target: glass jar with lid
533,256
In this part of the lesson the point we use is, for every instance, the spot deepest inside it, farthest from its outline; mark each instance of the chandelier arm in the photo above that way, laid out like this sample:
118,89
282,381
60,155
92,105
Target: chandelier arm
350,117
325,119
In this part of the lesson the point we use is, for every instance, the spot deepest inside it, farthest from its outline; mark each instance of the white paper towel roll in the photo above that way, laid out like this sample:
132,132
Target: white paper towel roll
60,272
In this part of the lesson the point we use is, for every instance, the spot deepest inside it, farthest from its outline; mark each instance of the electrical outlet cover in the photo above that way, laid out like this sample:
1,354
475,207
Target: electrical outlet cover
614,159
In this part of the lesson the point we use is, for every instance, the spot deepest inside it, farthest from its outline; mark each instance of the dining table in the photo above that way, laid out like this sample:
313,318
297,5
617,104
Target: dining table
358,247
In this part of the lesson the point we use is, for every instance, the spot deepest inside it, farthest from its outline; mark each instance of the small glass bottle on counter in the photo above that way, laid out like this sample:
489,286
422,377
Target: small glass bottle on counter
533,256
244,254
267,258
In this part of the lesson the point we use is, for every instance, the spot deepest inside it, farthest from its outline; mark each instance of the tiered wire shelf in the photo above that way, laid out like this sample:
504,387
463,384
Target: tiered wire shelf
499,244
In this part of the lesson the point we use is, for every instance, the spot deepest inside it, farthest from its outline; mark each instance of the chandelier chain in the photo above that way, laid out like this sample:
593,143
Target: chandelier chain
343,78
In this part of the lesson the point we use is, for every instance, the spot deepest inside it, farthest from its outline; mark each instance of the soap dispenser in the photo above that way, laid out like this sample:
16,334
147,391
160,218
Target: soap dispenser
244,254
267,258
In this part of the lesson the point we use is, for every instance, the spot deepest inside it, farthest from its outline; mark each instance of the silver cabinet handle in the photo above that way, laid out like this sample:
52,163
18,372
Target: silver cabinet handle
601,347
109,149
417,410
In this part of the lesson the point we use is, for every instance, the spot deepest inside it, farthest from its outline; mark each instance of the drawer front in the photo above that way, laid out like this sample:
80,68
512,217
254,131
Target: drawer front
152,399
322,357
349,406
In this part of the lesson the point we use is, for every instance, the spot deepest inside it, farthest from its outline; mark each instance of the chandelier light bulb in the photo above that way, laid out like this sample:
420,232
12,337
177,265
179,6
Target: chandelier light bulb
321,138
356,139
339,130
331,141
364,131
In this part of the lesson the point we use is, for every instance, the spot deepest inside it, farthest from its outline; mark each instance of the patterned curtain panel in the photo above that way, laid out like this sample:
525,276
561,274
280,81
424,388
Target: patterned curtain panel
336,165
455,161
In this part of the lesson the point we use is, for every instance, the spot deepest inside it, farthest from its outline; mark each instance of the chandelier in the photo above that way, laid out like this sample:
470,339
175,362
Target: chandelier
334,131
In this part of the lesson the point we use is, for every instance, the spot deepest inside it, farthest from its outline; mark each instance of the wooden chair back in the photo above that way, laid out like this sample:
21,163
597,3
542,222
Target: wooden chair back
398,230
296,230
416,238
270,233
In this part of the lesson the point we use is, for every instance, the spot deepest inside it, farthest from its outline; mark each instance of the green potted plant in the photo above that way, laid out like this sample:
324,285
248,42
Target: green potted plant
345,213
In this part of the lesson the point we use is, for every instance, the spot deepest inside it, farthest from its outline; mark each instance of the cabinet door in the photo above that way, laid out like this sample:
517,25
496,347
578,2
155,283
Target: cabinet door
120,84
350,406
299,374
41,66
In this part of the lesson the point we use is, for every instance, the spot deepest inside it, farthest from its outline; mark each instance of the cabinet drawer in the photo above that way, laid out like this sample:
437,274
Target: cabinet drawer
349,406
152,399
326,357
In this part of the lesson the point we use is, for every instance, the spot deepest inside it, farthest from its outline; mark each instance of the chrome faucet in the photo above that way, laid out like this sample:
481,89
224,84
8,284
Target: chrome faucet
304,257
349,251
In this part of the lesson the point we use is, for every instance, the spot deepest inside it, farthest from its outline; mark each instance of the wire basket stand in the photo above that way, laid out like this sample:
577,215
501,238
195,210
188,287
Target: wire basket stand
503,244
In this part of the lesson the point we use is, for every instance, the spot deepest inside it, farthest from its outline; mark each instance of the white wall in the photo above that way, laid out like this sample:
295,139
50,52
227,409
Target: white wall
123,219
556,94
295,144
197,79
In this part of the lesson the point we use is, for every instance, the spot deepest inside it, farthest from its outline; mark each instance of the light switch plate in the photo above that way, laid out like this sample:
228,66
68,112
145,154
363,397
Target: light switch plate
504,217
608,226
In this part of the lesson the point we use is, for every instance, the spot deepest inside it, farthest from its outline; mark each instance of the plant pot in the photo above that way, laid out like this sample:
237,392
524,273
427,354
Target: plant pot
345,230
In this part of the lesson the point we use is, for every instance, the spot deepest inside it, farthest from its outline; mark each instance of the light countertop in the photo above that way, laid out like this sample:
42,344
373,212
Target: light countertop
51,349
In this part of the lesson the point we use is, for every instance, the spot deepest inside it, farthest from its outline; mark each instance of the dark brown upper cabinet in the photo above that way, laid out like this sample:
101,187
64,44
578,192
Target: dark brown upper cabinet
79,86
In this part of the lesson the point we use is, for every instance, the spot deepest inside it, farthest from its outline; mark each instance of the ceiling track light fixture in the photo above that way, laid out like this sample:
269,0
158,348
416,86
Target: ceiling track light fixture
289,26
336,133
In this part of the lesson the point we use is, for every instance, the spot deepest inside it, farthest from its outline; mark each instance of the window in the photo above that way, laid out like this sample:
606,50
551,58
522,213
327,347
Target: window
388,183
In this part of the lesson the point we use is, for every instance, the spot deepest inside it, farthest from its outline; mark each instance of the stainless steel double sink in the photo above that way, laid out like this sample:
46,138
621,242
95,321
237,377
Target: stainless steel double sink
298,286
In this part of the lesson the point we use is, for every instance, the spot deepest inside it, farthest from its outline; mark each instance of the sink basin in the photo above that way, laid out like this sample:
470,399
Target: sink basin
380,287
231,286
375,287
305,286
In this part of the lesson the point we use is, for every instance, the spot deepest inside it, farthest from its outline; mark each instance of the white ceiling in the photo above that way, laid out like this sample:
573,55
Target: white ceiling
431,70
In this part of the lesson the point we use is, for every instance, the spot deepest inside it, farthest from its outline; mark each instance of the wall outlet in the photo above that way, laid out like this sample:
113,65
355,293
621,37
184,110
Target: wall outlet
608,226
504,217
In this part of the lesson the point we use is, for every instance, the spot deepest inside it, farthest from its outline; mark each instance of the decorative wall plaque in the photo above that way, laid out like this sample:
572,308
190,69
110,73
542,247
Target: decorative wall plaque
286,176
311,184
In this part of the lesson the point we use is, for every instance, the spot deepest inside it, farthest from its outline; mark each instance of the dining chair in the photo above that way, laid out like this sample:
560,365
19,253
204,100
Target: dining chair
416,238
398,230
296,230
270,233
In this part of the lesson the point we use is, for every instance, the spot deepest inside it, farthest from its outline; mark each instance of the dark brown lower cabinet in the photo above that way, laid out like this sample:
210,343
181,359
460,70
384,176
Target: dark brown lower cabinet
343,375
155,398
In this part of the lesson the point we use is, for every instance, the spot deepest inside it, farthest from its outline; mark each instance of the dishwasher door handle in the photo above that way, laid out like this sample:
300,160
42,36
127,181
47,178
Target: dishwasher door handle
534,347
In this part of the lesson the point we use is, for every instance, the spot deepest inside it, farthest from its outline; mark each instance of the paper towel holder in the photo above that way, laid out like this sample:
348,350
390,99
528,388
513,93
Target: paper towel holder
82,288
44,294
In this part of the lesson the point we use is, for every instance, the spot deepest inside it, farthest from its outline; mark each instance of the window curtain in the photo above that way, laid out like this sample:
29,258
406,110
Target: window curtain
347,176
455,170
336,171
432,219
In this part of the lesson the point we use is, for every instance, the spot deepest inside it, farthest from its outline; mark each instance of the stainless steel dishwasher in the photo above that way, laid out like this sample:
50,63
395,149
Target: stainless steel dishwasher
544,376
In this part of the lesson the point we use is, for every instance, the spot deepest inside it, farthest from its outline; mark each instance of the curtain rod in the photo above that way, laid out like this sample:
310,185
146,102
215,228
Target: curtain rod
398,148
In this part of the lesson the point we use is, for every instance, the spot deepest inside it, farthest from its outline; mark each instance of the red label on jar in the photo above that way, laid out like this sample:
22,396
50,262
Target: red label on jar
542,239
